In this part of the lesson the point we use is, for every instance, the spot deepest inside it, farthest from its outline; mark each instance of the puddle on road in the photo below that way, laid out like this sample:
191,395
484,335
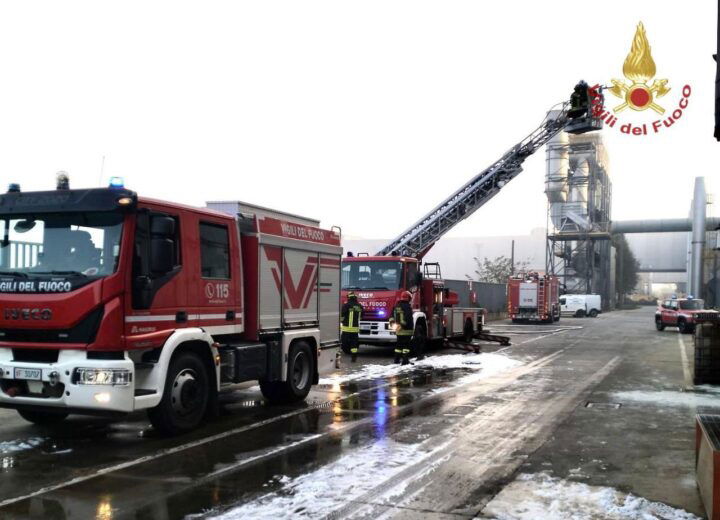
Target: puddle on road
244,466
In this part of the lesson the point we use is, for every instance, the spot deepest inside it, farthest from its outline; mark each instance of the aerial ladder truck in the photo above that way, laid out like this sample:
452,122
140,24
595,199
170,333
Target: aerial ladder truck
379,280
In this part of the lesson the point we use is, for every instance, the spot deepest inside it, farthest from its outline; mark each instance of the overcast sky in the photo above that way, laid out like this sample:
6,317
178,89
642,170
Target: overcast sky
362,114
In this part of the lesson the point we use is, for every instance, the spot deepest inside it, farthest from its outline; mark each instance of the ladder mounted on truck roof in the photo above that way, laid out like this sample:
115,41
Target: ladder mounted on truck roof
575,116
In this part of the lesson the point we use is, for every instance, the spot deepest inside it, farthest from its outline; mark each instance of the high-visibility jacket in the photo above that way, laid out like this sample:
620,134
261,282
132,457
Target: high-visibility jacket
403,315
350,317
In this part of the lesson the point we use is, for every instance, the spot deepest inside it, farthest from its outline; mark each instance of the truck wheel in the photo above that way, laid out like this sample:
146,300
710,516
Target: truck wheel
299,377
659,325
684,327
185,397
43,418
593,313
468,332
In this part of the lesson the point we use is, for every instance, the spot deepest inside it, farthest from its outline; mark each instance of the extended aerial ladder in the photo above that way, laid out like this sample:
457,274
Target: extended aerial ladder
436,313
575,116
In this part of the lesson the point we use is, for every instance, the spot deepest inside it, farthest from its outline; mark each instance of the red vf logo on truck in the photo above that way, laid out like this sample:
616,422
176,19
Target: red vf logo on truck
296,296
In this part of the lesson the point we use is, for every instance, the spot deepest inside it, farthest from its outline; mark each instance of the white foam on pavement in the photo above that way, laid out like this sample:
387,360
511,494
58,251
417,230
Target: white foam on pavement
7,447
485,363
333,486
543,497
668,398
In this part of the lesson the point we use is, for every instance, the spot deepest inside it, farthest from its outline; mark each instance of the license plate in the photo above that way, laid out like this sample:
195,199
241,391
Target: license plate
34,374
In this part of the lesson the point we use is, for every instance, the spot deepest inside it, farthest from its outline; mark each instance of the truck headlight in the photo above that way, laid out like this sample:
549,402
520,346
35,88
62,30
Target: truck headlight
102,376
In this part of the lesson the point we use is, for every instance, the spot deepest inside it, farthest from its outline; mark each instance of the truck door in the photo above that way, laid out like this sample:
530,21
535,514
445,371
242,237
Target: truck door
158,287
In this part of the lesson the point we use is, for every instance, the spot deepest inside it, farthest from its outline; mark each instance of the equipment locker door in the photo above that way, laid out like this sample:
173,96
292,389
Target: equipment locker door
271,268
300,287
329,298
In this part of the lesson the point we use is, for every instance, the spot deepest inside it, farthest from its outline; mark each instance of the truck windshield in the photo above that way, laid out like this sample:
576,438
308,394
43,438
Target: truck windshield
84,244
692,305
372,275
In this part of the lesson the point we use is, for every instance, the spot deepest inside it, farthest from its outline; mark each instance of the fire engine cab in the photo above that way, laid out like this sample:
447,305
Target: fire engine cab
378,282
112,303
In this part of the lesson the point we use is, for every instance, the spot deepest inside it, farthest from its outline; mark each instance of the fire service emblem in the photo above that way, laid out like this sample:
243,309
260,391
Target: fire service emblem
639,68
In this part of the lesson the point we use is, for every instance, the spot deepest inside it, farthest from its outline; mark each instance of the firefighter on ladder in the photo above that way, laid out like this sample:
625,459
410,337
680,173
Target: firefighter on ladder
350,326
403,324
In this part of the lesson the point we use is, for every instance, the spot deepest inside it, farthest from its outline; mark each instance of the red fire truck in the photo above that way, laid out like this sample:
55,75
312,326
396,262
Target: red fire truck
113,303
533,297
378,282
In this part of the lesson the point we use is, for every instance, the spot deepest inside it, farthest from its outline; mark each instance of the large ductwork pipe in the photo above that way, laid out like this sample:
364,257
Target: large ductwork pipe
698,238
674,225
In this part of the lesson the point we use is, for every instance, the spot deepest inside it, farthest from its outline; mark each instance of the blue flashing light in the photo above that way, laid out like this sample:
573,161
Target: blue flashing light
381,313
14,187
117,183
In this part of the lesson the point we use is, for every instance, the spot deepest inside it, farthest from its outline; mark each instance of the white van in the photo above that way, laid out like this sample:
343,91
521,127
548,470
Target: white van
580,305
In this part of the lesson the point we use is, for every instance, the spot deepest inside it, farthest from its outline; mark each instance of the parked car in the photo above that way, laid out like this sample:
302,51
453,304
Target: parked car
678,312
580,305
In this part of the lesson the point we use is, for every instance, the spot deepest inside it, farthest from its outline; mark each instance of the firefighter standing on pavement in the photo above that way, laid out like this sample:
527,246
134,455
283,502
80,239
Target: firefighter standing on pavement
350,325
403,323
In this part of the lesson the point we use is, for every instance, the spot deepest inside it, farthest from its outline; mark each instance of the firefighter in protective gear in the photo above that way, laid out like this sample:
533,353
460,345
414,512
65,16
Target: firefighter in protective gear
350,326
404,327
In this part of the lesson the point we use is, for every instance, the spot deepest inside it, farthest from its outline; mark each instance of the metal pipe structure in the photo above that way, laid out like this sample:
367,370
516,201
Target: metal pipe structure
661,225
698,237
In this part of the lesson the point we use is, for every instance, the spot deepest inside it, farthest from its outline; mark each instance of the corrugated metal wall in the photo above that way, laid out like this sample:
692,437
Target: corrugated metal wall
491,296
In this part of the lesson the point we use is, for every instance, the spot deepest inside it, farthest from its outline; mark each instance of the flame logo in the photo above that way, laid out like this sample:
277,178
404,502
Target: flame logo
639,68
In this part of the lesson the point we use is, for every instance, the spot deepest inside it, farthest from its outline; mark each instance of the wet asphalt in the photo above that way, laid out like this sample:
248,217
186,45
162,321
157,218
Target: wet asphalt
465,438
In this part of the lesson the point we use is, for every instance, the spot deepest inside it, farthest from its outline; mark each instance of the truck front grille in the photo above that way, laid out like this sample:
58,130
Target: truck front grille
83,332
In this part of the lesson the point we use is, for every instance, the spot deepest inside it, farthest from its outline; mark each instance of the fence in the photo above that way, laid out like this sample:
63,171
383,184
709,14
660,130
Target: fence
491,296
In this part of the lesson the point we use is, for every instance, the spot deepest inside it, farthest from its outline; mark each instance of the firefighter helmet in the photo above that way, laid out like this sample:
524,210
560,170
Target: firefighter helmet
406,296
351,295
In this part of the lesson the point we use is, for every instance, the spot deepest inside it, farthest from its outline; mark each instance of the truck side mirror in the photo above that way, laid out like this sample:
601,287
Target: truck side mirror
162,255
162,245
162,227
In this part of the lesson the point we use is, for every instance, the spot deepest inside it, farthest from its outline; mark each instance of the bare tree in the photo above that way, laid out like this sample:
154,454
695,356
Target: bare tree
497,270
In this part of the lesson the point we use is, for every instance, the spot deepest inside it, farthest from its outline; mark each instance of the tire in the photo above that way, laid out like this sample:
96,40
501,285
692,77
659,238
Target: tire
659,325
185,397
593,313
515,320
468,331
43,418
300,369
684,327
